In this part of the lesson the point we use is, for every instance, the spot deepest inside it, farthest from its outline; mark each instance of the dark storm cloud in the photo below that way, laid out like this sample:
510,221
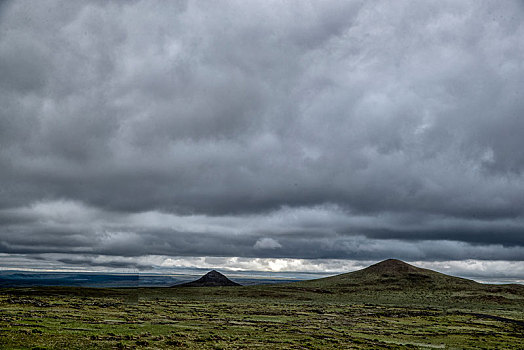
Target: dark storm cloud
262,129
110,264
325,232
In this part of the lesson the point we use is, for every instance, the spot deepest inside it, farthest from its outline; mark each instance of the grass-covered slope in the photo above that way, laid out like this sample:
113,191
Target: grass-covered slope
396,282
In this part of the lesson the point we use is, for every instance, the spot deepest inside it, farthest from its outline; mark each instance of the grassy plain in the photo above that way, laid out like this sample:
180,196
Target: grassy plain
389,305
317,315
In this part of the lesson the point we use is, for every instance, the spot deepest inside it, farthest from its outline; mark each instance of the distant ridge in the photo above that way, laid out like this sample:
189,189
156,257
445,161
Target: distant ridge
211,279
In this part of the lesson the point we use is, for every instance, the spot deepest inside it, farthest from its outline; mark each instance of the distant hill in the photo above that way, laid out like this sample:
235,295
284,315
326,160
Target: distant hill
396,282
393,274
211,279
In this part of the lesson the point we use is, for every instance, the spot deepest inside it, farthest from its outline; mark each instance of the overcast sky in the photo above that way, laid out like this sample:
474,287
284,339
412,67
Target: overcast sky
265,135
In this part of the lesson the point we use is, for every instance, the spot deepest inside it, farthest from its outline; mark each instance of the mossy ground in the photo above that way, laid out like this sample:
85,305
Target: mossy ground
251,317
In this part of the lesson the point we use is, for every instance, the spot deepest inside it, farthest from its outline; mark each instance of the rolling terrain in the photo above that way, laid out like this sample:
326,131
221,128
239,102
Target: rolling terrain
389,305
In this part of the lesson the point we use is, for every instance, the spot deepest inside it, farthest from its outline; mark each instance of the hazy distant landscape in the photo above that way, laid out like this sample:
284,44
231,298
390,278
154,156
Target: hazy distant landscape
104,280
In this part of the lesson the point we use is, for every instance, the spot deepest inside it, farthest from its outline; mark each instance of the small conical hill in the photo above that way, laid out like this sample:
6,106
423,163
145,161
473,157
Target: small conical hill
211,279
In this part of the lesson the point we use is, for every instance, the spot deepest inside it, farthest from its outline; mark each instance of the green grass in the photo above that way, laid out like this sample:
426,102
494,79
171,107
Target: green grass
316,315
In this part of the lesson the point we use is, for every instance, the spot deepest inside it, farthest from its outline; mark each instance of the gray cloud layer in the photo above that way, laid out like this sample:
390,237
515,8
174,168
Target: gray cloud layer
263,129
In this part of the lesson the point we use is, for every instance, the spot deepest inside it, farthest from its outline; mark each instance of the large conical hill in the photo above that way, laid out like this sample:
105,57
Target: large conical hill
393,274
